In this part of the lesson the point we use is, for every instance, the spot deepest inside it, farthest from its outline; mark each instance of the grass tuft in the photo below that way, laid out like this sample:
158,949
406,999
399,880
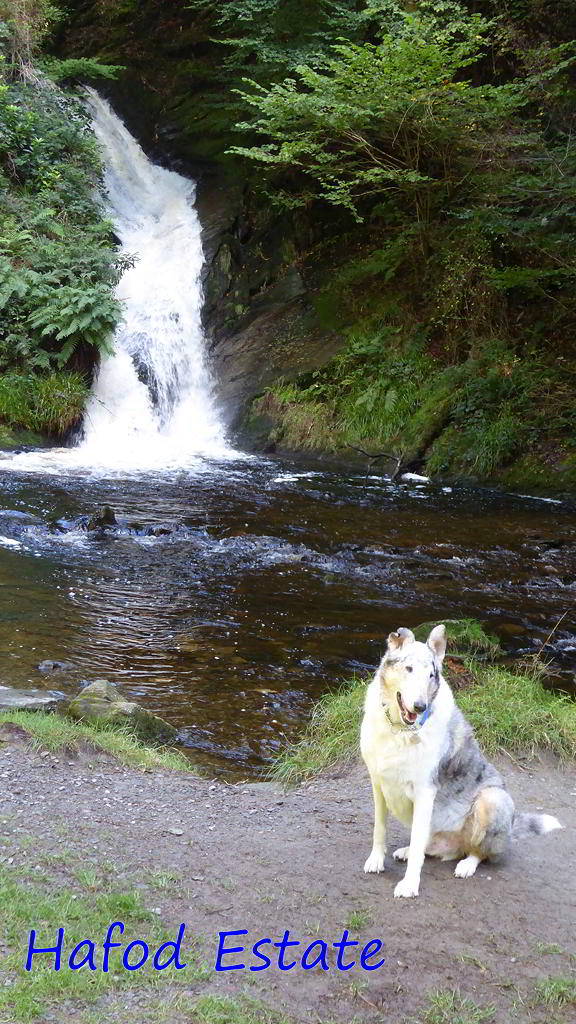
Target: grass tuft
331,738
51,732
214,1009
449,1007
556,991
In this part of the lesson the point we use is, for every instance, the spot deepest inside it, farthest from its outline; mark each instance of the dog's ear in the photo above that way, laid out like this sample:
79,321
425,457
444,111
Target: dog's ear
437,642
400,637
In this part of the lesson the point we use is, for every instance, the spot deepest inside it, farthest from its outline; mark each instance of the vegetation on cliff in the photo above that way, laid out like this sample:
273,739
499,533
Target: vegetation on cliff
58,265
443,139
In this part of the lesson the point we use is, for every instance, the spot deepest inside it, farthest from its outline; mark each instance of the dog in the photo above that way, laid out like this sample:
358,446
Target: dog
427,769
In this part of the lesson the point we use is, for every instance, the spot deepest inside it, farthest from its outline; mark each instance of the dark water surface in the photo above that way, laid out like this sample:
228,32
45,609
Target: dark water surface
229,599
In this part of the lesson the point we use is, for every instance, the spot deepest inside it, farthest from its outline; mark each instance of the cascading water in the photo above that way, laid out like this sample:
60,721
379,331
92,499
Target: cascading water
152,405
153,398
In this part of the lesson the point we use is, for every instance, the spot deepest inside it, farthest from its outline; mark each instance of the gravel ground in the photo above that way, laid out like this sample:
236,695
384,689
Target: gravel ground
250,856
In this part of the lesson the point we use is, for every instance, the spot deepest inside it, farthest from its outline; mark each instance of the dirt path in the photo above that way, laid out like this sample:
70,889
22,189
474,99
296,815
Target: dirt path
251,856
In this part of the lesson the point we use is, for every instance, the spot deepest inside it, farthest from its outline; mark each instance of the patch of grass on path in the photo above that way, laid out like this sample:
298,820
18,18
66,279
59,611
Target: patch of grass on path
26,904
51,732
213,1009
510,711
449,1007
556,992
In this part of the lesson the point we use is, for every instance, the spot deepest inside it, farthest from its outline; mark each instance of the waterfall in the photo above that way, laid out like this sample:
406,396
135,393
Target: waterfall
152,402
152,405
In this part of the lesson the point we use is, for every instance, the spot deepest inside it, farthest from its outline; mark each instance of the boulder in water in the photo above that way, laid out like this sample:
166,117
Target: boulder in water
102,702
49,666
29,700
105,517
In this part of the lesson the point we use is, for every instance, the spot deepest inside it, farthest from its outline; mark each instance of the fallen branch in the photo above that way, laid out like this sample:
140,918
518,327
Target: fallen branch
374,456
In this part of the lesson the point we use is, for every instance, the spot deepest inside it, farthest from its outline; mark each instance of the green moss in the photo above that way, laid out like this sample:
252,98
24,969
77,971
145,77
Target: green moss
13,437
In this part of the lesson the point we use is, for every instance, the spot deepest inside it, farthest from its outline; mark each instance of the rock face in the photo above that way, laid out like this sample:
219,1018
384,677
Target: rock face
102,702
29,700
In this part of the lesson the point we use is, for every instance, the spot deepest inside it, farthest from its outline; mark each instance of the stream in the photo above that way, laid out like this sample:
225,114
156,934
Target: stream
229,597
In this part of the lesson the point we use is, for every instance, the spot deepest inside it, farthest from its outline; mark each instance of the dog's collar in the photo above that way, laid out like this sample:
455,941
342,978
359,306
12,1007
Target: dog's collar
425,715
403,725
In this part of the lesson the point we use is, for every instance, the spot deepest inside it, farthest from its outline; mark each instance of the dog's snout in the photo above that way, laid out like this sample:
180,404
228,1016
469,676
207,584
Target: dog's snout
419,706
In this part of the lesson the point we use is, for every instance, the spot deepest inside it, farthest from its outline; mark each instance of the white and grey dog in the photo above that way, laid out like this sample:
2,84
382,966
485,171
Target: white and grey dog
428,771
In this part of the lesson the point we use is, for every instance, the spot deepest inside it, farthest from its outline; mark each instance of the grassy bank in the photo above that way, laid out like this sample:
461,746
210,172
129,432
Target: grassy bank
510,710
61,735
51,403
476,417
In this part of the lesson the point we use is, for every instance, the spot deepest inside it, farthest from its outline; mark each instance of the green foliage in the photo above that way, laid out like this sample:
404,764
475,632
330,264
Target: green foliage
472,418
78,69
392,118
462,171
26,24
270,38
50,403
58,267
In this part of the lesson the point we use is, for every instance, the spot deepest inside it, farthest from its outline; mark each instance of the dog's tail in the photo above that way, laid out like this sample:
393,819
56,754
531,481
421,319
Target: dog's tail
533,825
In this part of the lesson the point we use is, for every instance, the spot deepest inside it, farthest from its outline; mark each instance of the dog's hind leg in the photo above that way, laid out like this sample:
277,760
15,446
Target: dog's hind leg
375,862
465,868
401,853
487,829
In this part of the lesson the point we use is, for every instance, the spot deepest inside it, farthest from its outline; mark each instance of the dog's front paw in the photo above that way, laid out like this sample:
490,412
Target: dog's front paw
401,853
375,863
407,889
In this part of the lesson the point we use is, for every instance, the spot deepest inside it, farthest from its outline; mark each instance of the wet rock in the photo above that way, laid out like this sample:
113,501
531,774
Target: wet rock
29,700
102,702
48,666
105,517
18,516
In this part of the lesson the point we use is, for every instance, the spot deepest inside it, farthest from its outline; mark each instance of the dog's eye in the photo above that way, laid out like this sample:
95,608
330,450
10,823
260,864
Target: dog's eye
408,668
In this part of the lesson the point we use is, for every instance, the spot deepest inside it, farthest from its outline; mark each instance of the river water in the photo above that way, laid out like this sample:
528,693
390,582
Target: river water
229,597
232,591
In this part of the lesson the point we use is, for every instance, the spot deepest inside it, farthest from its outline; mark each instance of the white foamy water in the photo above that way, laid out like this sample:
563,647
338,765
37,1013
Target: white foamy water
152,405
